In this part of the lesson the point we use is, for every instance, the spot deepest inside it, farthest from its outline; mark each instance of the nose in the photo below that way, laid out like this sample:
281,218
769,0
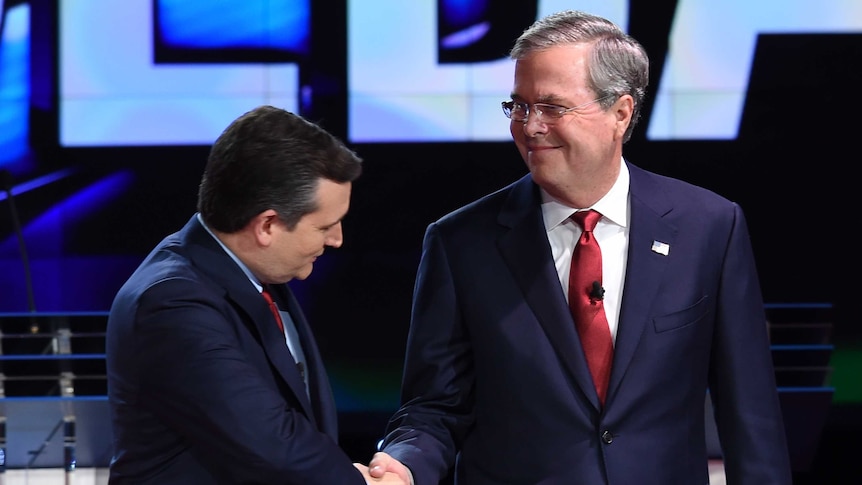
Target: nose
532,125
334,237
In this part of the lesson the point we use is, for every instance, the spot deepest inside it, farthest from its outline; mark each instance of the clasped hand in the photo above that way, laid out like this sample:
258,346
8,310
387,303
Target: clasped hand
387,478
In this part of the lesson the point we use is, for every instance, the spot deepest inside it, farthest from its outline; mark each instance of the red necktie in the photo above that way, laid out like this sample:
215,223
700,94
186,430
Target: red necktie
586,302
273,308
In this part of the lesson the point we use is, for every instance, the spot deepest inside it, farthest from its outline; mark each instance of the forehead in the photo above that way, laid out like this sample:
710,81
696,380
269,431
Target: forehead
553,73
333,200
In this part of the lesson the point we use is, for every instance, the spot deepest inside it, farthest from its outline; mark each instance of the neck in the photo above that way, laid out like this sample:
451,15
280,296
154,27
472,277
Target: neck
587,189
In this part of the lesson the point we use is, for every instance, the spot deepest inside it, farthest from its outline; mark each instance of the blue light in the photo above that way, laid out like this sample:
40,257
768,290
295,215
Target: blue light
36,183
464,13
14,83
250,24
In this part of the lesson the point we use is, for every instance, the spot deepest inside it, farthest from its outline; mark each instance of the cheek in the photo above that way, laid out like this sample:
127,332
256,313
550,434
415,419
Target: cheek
610,128
311,245
519,138
516,129
300,246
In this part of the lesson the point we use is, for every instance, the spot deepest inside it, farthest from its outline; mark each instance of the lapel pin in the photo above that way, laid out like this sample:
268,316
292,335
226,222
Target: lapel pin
660,247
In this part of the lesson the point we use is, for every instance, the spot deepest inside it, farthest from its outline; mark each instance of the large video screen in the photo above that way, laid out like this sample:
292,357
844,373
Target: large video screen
404,86
175,72
14,82
437,71
701,92
766,78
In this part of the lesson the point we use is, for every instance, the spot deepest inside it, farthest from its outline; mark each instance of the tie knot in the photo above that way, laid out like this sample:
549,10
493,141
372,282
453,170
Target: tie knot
587,219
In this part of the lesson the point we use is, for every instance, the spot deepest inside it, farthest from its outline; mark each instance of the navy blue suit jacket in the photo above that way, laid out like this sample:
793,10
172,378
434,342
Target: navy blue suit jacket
495,370
202,387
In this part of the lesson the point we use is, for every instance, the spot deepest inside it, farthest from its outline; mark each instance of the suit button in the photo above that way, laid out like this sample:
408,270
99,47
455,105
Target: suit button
607,437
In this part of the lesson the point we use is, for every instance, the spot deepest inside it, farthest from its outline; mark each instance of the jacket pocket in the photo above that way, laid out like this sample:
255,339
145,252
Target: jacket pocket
682,318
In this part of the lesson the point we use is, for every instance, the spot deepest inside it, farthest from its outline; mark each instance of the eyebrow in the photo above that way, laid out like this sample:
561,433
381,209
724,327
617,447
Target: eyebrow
546,99
550,99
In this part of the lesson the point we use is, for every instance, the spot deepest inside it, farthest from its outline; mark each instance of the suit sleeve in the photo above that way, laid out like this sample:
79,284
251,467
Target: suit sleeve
437,387
742,376
197,378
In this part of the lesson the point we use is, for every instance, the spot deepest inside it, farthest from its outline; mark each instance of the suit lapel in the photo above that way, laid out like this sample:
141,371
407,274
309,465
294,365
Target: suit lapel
535,272
211,258
274,345
645,268
320,392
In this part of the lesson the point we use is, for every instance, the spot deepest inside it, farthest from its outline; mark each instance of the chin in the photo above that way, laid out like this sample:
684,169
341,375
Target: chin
305,273
540,169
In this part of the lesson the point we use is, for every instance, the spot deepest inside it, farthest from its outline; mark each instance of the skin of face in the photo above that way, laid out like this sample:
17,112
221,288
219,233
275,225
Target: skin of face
290,254
575,159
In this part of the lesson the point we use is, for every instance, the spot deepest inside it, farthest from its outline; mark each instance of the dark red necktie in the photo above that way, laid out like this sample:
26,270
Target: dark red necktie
586,301
273,308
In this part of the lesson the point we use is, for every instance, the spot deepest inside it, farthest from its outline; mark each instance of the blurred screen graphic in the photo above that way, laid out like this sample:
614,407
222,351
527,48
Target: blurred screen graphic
216,61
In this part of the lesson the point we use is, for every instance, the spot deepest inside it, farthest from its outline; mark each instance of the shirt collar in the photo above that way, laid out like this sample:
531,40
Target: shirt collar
233,256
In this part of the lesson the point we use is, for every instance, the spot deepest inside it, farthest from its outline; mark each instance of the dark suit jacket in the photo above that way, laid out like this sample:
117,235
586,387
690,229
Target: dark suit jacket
494,367
201,384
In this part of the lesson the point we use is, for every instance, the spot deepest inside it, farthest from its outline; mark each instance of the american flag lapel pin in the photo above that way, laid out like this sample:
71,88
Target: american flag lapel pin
660,247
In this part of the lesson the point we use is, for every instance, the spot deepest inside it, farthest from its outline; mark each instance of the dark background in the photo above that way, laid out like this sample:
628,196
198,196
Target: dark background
790,169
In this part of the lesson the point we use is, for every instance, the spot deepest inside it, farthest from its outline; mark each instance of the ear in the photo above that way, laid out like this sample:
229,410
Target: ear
623,109
263,227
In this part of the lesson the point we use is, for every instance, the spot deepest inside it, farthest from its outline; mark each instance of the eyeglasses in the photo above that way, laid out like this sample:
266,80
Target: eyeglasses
545,113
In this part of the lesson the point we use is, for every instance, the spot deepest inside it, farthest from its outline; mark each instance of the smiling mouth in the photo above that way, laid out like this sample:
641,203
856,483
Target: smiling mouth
540,148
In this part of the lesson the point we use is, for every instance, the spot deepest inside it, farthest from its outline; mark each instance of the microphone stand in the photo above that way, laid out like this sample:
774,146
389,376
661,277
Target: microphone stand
22,247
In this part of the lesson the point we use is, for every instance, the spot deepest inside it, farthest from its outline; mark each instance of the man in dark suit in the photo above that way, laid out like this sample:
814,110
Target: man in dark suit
207,383
497,388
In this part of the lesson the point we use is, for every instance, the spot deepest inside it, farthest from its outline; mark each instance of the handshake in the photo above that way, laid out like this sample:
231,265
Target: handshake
385,470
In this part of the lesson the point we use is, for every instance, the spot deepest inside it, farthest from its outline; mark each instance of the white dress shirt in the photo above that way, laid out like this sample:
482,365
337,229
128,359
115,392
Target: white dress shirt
611,232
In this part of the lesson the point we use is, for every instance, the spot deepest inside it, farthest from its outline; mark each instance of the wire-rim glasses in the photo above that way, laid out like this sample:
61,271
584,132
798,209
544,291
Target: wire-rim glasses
545,113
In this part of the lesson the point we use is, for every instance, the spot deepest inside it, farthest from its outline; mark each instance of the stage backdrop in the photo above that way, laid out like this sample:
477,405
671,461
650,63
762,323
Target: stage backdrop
107,110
